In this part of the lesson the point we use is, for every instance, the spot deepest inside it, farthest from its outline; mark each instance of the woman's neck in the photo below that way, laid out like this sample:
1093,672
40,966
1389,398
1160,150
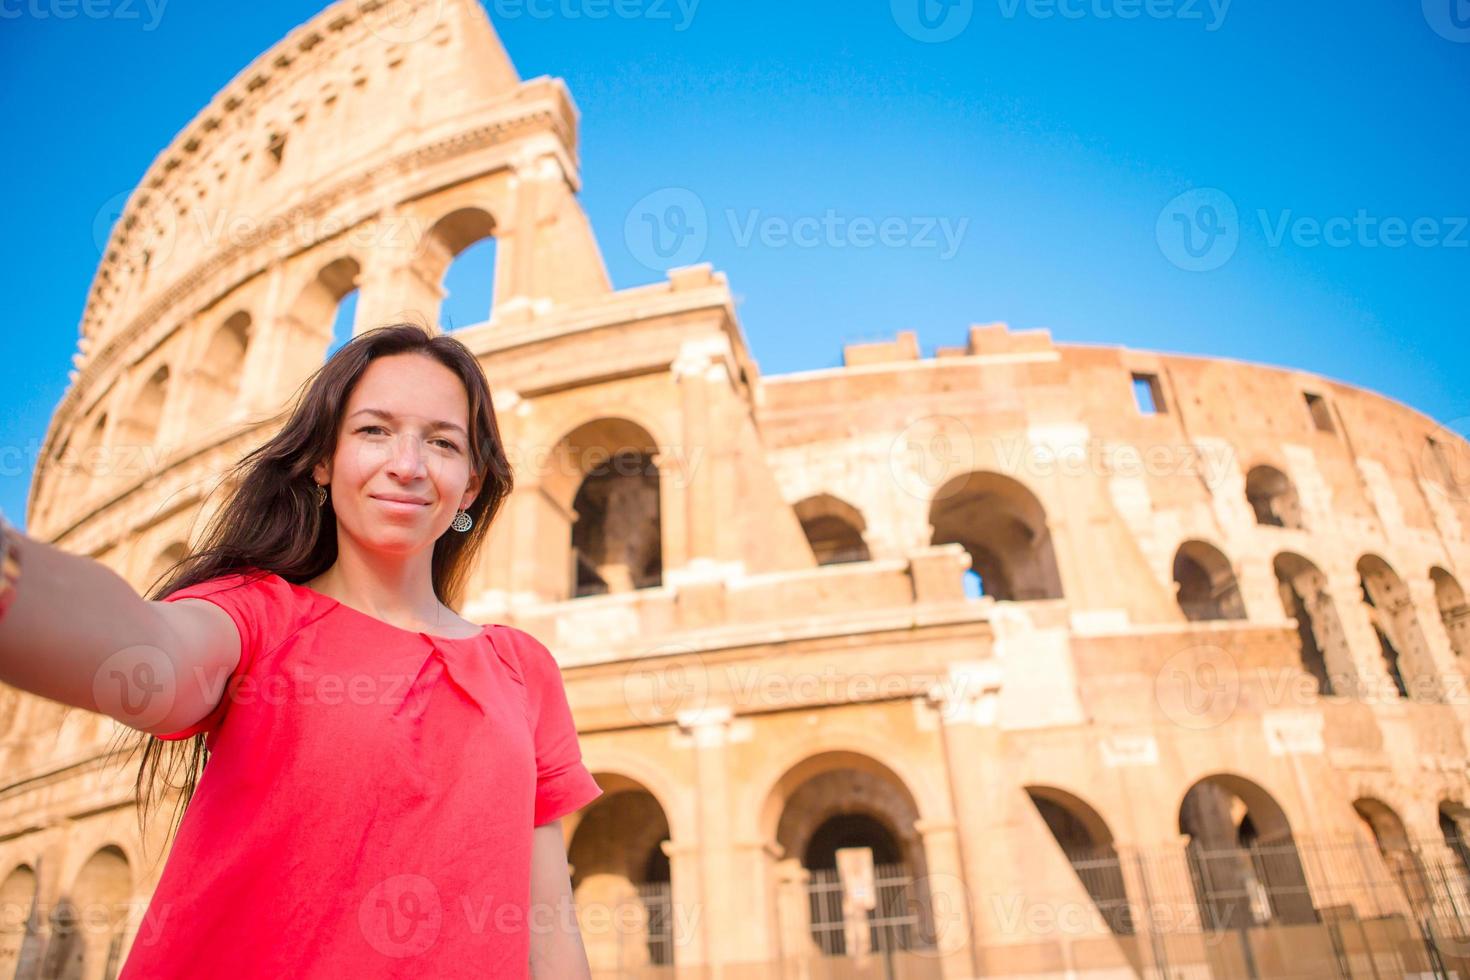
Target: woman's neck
397,591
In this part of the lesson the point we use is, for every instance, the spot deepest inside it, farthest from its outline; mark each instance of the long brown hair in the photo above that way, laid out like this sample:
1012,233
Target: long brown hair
270,519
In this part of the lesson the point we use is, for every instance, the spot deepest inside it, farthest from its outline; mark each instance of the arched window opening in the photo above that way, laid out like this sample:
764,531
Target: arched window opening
469,286
21,939
1003,527
615,538
1321,642
834,529
619,855
1392,839
344,320
1242,857
1087,844
458,259
1205,583
1396,628
1273,498
218,378
1454,612
854,864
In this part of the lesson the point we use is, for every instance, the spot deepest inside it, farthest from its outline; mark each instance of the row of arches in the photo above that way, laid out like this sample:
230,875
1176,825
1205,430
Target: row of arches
455,261
1245,867
81,936
1003,528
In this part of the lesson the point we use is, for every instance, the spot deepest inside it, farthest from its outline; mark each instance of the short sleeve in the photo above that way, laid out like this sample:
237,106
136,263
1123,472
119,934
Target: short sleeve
254,602
563,784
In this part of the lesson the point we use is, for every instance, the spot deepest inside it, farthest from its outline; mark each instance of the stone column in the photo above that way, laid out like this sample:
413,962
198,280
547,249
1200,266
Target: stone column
686,896
697,372
944,900
1450,672
1372,680
399,284
967,710
720,939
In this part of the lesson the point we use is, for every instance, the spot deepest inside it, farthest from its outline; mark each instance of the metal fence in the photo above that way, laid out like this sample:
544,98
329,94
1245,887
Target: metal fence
1289,908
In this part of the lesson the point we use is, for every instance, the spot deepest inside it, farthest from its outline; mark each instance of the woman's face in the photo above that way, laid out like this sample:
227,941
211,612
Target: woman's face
402,465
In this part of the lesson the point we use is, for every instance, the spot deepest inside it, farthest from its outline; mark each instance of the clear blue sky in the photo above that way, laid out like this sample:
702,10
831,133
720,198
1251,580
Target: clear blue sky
1049,136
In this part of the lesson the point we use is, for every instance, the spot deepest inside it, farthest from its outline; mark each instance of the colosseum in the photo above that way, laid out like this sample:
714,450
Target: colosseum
1025,659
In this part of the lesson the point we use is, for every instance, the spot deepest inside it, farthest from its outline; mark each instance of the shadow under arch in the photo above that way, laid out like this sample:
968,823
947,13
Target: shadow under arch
1087,842
620,853
845,826
1003,526
834,529
604,478
1242,855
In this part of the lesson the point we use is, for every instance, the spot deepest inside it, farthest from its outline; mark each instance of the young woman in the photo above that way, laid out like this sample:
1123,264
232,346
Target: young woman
385,781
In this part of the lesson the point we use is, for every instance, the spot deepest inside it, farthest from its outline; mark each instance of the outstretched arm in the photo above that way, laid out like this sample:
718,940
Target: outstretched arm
76,632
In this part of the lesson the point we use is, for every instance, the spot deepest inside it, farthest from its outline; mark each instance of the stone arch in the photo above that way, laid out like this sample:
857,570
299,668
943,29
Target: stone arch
603,481
87,461
1321,639
218,377
449,241
90,921
620,855
1087,842
1454,611
1003,526
1242,855
309,319
838,817
1454,827
21,941
1204,583
834,528
1391,837
1273,497
1390,611
141,423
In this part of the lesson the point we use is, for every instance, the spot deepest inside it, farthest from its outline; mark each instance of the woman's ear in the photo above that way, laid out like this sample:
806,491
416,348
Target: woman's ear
471,492
322,473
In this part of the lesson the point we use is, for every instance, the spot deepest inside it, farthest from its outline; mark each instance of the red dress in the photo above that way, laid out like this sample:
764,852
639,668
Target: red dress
367,806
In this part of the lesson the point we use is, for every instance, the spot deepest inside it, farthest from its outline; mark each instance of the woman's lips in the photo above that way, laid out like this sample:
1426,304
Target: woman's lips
400,507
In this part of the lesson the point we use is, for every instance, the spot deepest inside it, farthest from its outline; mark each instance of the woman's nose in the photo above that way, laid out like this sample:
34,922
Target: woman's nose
408,457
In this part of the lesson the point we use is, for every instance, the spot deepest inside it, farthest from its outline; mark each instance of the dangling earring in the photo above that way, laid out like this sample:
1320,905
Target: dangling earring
321,494
462,522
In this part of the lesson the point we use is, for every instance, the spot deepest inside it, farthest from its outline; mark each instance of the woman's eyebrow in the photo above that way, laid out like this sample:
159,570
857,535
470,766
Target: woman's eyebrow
389,416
